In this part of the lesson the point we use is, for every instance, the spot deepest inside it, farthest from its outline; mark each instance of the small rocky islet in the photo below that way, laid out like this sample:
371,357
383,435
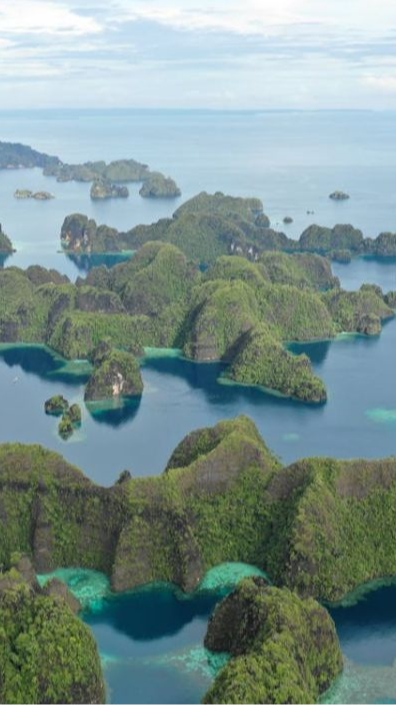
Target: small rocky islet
23,194
71,415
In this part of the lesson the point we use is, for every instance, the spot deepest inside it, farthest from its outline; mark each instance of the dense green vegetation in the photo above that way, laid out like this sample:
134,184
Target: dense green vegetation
238,311
117,374
320,527
47,654
208,226
159,186
285,649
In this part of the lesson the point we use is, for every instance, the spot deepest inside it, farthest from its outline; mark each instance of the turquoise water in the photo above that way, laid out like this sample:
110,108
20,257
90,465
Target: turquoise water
151,640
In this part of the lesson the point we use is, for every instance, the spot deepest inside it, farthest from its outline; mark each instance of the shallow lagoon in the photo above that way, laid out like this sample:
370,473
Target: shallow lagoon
151,639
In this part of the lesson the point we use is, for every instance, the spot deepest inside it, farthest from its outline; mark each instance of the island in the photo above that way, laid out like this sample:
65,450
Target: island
103,188
56,405
71,415
116,375
210,225
106,177
239,312
271,632
339,196
159,186
23,194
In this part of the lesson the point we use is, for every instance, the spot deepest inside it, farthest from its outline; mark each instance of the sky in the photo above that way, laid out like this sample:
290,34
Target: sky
214,54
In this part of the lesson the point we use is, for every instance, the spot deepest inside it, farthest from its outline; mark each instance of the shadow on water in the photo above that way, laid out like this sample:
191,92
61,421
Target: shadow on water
4,256
85,262
217,389
116,415
367,628
152,613
41,362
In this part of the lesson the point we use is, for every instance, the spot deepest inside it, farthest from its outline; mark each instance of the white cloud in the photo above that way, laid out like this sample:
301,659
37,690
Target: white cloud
385,84
44,17
251,17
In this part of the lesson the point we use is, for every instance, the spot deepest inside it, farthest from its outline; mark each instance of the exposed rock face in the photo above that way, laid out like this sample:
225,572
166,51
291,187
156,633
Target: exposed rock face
102,189
285,649
287,219
306,525
59,590
159,186
48,654
117,375
339,196
81,234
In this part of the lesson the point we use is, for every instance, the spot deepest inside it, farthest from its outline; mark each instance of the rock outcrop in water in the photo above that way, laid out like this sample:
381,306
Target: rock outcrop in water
23,194
159,186
102,189
339,196
56,405
284,649
115,376
239,312
48,654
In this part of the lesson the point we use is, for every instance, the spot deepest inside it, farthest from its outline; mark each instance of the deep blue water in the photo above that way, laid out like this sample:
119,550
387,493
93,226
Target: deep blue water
292,161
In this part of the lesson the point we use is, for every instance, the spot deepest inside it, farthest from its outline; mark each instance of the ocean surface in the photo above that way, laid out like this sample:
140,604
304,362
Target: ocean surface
151,641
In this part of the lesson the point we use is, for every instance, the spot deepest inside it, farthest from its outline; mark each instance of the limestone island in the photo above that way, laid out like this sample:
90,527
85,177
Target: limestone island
270,632
210,225
116,375
339,196
38,195
287,219
239,312
313,518
159,186
103,188
56,405
71,415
